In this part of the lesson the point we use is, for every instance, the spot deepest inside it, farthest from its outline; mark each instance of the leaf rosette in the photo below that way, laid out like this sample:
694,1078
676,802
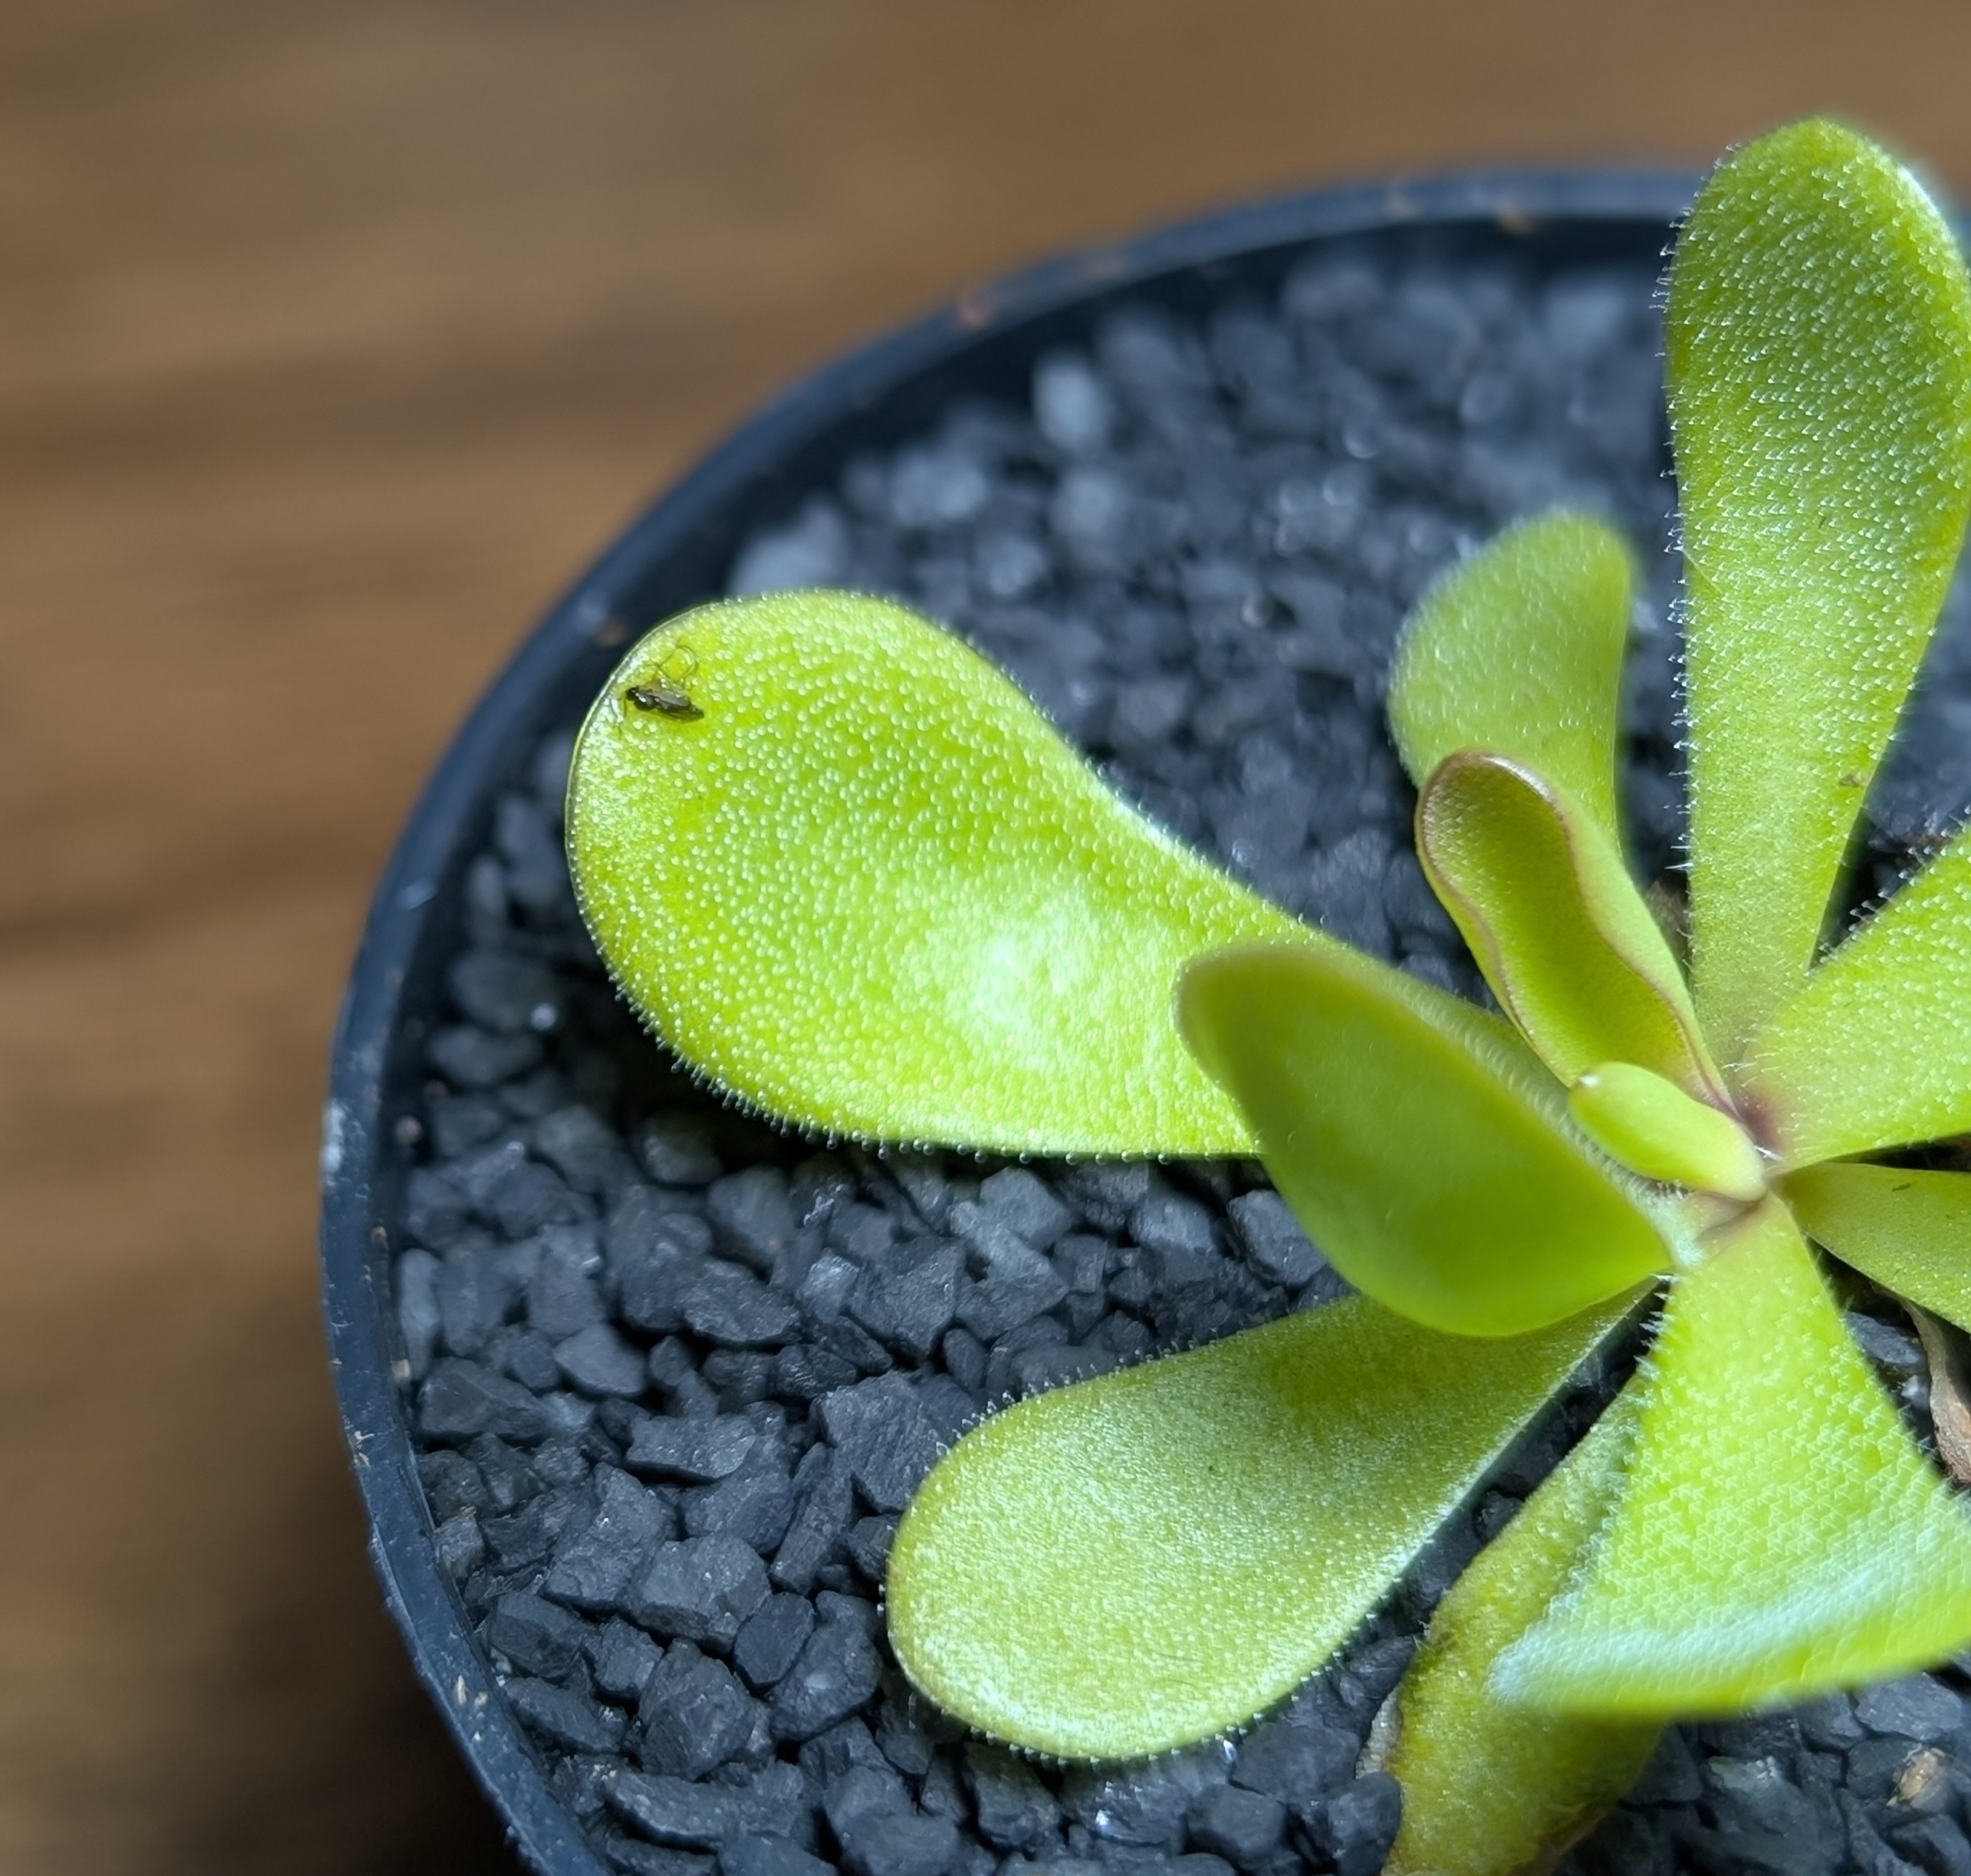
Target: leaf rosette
853,876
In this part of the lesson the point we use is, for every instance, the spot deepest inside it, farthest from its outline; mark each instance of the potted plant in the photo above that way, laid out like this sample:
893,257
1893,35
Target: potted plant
439,1040
853,877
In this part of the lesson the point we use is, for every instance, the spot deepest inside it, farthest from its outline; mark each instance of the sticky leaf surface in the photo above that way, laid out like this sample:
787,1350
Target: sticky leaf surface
1133,1563
1818,350
1778,1534
868,887
1519,650
1908,1231
1425,1152
1875,1051
1491,1789
1556,924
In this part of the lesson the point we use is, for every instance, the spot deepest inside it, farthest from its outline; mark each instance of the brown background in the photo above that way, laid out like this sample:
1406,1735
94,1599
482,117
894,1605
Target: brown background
335,336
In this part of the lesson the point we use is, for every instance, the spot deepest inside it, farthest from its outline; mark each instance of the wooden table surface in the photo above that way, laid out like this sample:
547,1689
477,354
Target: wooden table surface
335,336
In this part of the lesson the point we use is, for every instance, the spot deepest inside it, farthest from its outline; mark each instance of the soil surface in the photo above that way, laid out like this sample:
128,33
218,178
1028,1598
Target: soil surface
674,1373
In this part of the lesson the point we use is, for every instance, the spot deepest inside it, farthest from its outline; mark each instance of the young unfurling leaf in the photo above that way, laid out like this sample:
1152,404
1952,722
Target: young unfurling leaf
1651,1126
1563,936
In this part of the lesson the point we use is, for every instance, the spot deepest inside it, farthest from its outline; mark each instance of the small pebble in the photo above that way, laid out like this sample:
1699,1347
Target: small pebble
1354,1828
1014,1809
753,1855
460,1545
751,1215
1244,1827
1917,1707
725,1303
584,1150
674,1812
837,1669
1272,1239
770,1639
595,1562
597,1360
461,1399
535,1636
566,1719
677,1150
1144,1803
696,1450
623,1659
882,1435
907,1300
820,1525
694,1715
700,1590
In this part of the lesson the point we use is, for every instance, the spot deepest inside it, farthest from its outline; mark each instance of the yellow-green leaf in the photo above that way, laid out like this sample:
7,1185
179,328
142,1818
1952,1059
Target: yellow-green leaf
1556,924
1491,1789
1132,1563
1820,366
1779,1533
850,873
1519,650
1909,1231
1875,1050
1424,1150
1651,1126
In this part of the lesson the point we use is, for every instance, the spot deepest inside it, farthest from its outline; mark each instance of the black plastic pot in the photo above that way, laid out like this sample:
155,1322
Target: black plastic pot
678,553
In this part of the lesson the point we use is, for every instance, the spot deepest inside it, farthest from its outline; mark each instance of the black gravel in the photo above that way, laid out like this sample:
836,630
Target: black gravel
673,1372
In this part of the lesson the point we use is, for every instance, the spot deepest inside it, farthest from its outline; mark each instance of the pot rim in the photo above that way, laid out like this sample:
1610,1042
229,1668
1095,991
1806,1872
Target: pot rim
407,922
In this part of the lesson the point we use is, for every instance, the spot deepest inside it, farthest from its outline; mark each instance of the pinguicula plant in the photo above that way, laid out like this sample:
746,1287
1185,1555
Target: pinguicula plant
845,869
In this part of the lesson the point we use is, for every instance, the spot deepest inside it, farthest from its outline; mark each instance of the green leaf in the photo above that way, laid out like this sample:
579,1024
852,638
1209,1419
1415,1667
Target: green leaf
1428,1155
1875,1051
1653,1127
1819,366
1779,1533
1909,1231
1494,1789
864,885
1129,1564
1556,924
1519,649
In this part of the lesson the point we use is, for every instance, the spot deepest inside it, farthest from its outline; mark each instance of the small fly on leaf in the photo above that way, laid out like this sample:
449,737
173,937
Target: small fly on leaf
665,699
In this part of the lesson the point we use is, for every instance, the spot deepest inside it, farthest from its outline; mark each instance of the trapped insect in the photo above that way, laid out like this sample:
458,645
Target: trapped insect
665,699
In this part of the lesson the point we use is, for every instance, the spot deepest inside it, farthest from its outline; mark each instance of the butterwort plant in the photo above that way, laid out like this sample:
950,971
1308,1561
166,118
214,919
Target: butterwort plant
844,867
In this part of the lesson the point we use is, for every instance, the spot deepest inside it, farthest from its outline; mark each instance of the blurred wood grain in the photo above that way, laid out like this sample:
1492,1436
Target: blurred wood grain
334,335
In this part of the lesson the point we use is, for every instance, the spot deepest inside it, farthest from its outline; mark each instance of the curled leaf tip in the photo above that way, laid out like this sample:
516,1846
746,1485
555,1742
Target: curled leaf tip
1568,943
